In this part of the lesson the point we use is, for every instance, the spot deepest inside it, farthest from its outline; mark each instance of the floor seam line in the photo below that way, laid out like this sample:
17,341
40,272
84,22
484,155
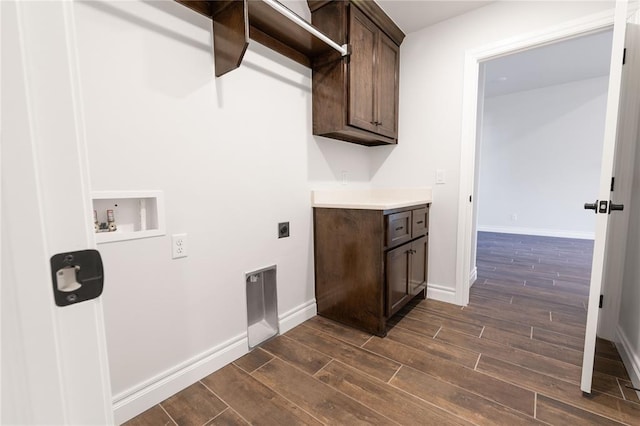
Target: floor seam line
167,413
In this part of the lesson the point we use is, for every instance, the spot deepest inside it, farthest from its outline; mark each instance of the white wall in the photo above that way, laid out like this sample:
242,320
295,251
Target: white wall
540,159
431,80
234,156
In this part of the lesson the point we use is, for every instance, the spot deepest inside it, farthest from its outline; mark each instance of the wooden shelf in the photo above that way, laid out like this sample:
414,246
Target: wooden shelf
266,26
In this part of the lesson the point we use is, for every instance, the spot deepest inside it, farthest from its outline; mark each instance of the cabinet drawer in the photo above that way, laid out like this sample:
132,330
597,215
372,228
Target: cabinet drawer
398,228
419,222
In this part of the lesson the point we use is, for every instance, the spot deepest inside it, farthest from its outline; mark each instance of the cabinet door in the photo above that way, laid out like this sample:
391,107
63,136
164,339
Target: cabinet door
397,273
362,37
419,265
386,68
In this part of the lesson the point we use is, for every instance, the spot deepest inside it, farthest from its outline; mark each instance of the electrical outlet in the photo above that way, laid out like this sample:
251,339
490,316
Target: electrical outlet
514,217
178,246
440,176
283,229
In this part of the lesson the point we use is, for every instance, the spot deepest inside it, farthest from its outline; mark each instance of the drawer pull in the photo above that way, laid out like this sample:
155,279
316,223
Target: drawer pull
400,228
419,222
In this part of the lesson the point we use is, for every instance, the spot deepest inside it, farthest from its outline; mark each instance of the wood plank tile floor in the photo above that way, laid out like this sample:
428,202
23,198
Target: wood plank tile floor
512,356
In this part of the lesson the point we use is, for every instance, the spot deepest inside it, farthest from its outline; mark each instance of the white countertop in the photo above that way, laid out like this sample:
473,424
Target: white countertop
371,199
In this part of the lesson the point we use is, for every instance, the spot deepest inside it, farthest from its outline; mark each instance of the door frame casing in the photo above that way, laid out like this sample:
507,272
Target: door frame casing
470,122
64,378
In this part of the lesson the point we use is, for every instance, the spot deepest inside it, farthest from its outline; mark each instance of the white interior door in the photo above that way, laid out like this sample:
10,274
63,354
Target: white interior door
628,122
54,359
608,249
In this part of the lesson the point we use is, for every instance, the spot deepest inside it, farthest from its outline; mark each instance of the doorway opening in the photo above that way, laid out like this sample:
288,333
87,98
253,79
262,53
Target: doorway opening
541,117
539,143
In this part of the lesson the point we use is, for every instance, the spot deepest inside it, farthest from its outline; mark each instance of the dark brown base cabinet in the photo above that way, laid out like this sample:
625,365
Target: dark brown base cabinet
369,263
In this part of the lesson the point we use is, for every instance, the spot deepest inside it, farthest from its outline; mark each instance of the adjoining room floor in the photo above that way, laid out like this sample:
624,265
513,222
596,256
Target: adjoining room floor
512,356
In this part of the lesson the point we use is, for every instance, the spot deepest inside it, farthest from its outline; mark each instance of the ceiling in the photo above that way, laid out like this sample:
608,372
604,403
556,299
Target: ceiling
570,60
413,15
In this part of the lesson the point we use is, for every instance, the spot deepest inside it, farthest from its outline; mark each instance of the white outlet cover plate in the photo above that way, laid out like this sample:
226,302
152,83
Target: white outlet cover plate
178,246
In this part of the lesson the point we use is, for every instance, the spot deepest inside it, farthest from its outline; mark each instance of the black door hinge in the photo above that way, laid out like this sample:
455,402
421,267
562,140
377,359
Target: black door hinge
601,300
624,55
613,181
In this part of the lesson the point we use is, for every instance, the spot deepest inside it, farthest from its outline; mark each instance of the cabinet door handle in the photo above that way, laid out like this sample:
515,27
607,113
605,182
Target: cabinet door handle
400,228
419,222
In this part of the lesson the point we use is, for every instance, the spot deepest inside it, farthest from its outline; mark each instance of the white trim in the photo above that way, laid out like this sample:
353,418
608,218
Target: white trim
442,293
473,276
83,153
538,232
473,57
145,395
630,359
297,315
77,389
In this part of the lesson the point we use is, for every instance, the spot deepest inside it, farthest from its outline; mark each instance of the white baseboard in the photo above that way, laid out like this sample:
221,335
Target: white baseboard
143,396
538,232
441,293
297,315
630,358
473,276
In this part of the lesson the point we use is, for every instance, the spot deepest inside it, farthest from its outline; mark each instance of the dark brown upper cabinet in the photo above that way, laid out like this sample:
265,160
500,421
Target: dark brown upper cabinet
353,49
355,98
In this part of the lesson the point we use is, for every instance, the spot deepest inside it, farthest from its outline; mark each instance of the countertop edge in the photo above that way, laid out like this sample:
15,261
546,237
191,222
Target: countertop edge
371,205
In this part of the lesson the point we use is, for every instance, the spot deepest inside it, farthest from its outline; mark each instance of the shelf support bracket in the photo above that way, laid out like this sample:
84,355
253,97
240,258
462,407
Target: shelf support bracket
230,35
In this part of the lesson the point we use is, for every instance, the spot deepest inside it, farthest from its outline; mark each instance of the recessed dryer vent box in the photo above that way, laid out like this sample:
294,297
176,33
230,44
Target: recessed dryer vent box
262,306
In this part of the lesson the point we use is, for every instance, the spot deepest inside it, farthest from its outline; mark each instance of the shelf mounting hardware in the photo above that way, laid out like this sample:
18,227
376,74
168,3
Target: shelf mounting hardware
296,19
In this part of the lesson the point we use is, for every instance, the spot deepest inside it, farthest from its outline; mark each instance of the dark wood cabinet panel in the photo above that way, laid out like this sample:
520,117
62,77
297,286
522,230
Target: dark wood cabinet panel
420,221
349,268
355,98
368,265
387,67
418,265
363,38
397,273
